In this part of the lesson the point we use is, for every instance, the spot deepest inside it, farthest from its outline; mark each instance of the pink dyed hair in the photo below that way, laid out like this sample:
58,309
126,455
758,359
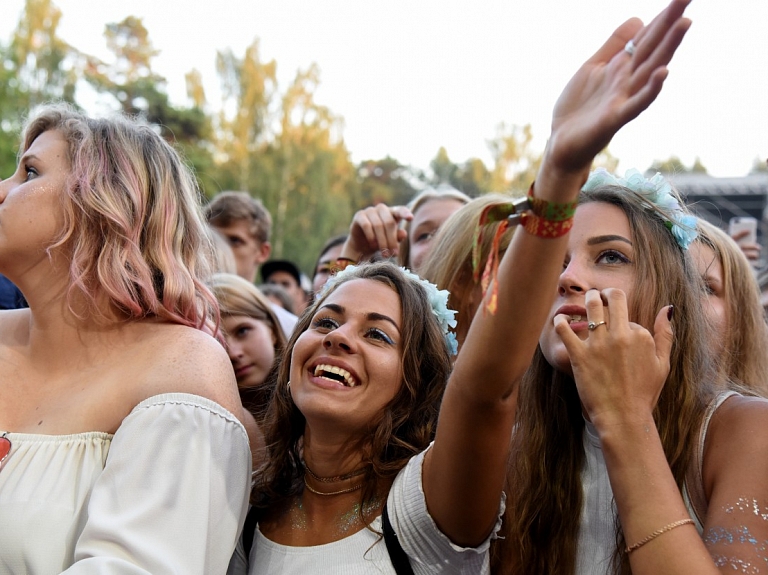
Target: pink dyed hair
133,228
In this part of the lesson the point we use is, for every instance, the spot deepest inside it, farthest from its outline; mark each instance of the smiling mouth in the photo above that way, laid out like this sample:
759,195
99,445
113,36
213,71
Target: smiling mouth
337,374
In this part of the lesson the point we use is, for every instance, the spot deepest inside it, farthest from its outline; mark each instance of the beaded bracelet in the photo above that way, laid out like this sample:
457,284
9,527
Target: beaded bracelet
341,264
656,533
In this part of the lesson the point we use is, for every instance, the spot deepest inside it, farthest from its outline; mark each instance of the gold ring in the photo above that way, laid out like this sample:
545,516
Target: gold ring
592,326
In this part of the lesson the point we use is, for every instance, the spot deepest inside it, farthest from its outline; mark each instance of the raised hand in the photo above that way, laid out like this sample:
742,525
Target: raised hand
376,228
614,86
620,368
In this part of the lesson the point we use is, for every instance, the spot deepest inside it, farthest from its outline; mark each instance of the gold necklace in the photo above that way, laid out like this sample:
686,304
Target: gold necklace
316,492
336,478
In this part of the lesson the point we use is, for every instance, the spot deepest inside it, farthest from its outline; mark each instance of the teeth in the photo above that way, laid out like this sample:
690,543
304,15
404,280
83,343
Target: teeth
322,369
575,318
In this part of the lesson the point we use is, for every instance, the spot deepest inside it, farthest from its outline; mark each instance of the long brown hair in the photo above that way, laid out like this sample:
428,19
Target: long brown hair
544,507
405,426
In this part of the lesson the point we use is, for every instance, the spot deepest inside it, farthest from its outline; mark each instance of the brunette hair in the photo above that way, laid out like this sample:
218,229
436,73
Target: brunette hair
744,360
449,262
542,520
405,426
238,296
132,228
227,208
443,192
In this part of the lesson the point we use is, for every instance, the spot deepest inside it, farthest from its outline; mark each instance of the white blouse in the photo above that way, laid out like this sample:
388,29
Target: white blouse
167,493
365,553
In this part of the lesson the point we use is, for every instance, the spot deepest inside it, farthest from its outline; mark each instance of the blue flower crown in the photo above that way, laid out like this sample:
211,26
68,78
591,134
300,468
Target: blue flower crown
657,192
438,301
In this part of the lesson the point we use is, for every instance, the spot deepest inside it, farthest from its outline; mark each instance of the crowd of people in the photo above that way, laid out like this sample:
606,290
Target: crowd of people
572,382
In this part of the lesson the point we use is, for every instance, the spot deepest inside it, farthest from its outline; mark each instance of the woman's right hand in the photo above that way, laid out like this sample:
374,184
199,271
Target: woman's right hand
376,228
613,87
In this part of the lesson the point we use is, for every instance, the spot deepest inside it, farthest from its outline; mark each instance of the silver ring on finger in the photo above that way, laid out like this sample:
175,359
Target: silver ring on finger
592,326
630,47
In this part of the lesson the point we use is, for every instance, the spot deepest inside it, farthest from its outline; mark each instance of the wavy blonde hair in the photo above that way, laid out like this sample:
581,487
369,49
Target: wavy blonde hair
744,360
449,261
133,229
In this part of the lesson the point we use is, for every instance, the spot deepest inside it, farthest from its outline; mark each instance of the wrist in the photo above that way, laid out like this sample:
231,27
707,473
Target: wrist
559,182
621,429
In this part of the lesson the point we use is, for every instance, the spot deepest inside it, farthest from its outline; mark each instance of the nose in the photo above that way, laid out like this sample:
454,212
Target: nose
233,349
573,279
339,339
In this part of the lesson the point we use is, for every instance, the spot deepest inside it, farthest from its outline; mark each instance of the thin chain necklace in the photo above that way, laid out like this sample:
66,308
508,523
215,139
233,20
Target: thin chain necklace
316,492
335,478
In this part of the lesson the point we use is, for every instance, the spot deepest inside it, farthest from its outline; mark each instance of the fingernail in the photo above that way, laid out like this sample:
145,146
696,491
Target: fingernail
670,312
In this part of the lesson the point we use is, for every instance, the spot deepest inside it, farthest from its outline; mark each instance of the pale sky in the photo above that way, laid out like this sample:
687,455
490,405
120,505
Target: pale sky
411,76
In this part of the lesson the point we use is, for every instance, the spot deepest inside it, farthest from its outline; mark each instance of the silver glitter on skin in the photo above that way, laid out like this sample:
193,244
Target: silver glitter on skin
740,535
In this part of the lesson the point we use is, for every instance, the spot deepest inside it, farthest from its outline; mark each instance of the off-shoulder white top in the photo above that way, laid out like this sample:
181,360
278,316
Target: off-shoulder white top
167,493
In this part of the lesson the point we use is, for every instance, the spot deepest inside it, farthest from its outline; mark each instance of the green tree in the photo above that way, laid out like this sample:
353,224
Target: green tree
43,63
249,87
443,169
515,163
386,181
673,165
139,91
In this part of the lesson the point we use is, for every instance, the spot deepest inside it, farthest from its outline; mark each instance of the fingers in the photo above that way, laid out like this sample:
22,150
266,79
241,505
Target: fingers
663,336
377,227
617,41
616,301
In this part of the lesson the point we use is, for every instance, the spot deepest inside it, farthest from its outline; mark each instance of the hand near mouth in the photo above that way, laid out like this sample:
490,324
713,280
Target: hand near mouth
620,368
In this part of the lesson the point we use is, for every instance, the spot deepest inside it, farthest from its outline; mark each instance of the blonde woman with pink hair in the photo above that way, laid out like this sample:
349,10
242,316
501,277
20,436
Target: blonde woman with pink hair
119,452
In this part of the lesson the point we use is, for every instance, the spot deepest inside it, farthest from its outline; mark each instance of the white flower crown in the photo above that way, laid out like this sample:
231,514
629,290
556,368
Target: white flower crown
656,191
438,301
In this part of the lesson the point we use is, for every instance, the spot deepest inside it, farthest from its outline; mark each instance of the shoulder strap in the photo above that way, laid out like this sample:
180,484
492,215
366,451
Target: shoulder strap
694,481
396,554
249,530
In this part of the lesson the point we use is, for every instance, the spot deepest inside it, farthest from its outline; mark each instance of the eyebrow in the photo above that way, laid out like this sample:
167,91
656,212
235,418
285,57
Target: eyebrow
27,157
372,316
604,239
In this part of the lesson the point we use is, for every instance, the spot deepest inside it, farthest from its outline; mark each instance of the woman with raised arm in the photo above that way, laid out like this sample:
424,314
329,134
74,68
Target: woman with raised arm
352,484
119,452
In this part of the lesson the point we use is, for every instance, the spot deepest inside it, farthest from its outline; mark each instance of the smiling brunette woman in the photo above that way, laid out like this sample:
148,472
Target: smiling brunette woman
116,425
354,482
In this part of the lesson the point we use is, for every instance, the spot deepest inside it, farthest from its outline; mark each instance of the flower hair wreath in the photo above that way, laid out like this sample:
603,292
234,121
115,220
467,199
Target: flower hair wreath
658,193
438,301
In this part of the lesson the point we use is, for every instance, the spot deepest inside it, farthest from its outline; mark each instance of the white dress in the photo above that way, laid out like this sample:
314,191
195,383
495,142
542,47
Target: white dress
365,552
167,493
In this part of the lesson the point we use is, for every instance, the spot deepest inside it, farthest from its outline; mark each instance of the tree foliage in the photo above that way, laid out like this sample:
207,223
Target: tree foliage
276,142
673,165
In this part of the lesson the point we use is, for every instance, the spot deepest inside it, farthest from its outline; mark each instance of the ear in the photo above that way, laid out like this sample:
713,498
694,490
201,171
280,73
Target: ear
263,252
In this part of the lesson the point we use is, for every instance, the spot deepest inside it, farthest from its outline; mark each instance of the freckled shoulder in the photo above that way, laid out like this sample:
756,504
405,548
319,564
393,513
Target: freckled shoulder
179,359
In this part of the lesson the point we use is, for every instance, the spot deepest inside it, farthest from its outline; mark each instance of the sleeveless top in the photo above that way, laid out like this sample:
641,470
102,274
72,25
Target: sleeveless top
597,528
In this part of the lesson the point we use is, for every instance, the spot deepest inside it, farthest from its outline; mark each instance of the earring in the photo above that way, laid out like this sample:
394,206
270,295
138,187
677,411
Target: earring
289,386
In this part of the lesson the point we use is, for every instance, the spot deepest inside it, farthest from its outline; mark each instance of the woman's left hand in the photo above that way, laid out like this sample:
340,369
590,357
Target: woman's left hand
620,368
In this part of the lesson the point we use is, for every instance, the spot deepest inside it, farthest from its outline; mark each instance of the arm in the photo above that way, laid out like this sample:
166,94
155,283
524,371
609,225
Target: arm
464,472
173,493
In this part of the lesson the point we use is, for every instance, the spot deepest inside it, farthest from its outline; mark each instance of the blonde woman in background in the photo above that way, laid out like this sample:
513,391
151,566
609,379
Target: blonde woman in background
739,335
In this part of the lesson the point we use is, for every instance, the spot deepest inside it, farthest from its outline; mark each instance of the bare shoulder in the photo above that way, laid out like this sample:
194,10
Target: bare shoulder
737,442
180,359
